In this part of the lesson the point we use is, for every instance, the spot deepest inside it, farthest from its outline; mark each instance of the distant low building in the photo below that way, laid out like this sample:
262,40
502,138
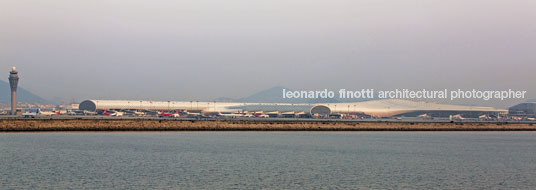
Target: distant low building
69,106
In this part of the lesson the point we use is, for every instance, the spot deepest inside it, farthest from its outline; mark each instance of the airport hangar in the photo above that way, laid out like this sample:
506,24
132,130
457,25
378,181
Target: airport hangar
375,108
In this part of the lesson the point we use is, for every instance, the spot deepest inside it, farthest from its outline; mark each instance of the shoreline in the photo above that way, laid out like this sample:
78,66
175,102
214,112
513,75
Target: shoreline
162,125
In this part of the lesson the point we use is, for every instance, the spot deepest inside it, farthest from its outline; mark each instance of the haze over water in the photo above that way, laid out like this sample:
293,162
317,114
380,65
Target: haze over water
276,160
205,49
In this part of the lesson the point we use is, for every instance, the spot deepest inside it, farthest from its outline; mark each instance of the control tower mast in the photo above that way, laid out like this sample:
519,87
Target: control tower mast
13,81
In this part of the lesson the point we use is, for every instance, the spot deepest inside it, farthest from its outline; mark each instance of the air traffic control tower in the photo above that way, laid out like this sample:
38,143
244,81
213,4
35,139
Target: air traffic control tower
13,81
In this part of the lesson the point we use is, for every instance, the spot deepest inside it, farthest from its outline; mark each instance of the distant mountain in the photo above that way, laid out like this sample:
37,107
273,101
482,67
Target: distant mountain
275,95
22,94
531,100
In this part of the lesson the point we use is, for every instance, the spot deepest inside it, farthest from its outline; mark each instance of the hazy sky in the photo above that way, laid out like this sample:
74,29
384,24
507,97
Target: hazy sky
201,49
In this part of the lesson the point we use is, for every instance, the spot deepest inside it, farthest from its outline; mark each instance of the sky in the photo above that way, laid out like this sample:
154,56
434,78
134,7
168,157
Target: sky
205,49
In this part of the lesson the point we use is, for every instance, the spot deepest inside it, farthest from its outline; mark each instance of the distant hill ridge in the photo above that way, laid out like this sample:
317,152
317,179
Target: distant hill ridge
22,95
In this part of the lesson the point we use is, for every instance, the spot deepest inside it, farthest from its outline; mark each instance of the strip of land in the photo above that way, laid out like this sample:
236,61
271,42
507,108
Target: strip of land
32,125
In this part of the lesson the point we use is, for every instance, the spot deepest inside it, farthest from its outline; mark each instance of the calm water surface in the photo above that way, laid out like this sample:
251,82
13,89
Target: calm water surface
268,160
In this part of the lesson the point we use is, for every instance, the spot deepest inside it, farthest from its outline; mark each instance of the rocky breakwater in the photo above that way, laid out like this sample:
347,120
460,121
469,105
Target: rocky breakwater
197,125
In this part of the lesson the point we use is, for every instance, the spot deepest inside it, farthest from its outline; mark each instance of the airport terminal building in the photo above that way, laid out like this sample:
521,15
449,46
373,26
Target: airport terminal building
408,108
375,108
205,107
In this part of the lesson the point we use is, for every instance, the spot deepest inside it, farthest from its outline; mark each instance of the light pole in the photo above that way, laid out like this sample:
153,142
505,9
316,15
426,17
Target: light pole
335,107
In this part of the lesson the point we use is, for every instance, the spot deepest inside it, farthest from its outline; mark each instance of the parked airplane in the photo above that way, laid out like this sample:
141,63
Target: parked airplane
107,113
113,113
46,113
456,117
517,118
193,114
135,112
231,114
61,112
38,112
138,113
164,114
424,116
84,112
260,115
29,114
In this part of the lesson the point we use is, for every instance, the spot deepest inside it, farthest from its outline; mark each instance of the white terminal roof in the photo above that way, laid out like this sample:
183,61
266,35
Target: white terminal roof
93,105
390,107
386,107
